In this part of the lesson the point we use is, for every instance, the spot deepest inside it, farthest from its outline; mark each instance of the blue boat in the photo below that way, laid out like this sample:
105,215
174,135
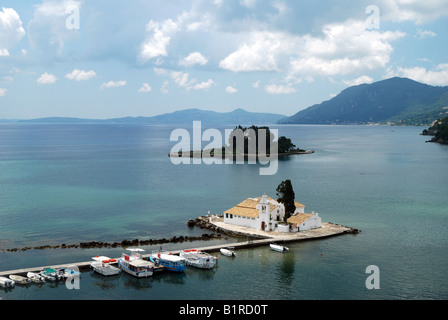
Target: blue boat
169,261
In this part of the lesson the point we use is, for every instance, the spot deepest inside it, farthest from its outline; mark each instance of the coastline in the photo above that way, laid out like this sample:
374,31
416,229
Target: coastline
200,154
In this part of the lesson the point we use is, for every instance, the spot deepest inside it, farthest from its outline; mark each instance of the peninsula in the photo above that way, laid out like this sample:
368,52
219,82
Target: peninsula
439,131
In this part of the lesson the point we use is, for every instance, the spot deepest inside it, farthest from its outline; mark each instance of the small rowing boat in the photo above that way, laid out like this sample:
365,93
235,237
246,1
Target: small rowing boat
6,283
279,248
19,279
34,277
228,252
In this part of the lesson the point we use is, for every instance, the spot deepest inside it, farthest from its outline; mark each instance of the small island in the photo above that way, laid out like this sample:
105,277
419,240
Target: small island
251,140
439,131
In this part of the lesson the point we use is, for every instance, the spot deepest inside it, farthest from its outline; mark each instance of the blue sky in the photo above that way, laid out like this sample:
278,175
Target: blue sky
109,58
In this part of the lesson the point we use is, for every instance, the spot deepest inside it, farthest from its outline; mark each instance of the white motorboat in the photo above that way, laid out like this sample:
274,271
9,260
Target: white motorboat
34,277
198,259
228,252
103,266
68,272
279,248
19,279
50,274
135,265
6,283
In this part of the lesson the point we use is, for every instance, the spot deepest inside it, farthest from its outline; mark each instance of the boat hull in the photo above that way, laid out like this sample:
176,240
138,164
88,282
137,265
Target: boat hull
227,253
279,248
138,274
168,265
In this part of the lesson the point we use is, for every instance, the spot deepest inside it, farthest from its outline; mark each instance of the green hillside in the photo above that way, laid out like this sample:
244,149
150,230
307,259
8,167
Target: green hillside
397,100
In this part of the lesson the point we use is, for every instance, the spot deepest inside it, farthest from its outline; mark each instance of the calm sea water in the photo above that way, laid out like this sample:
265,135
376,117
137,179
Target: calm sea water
75,183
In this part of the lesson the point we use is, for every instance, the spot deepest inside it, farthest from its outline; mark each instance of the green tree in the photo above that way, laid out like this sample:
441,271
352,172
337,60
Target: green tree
286,195
285,145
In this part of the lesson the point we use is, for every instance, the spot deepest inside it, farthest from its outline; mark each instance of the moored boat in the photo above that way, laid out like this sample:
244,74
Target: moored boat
6,283
103,266
135,265
198,259
279,248
19,279
50,274
229,252
34,277
169,261
68,272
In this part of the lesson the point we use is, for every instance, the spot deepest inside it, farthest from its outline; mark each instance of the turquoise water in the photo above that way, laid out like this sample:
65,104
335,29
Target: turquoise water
75,183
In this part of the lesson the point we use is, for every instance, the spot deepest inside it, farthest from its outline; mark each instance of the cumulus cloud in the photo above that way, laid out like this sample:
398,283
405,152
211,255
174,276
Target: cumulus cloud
436,77
81,75
159,38
48,30
47,78
193,59
113,84
345,49
11,30
145,88
204,85
279,89
231,90
358,81
3,92
416,11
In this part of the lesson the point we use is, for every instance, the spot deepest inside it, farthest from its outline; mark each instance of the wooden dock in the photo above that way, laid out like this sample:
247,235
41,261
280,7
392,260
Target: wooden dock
329,230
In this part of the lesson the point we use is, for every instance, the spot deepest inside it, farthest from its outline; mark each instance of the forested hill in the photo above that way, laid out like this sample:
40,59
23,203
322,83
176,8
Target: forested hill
396,100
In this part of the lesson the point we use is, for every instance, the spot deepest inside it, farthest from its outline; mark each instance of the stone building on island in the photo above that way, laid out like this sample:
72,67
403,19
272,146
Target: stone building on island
266,214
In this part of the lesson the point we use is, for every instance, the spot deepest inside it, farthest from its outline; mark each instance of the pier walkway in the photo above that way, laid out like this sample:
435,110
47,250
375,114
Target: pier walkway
327,230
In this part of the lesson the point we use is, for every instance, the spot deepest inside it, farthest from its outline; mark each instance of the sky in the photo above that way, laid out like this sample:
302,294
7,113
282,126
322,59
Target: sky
108,59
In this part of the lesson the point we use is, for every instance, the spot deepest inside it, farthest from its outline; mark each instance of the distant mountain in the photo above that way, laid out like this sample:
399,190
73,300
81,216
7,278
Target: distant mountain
236,117
395,100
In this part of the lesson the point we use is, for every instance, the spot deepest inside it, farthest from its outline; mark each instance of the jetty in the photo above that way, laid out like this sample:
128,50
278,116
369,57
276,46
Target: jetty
257,238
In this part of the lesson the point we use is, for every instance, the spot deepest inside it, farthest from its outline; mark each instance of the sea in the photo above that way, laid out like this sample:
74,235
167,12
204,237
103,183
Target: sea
73,183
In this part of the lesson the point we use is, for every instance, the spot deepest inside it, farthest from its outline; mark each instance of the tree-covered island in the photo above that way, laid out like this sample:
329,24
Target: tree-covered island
246,141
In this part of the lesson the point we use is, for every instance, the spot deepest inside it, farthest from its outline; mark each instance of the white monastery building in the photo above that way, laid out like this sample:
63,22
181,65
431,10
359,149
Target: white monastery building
266,214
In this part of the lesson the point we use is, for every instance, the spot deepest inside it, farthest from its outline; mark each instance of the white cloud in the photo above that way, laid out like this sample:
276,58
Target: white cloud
425,34
417,11
279,89
436,77
145,88
260,52
345,49
204,85
193,59
48,30
113,84
81,75
256,84
3,92
157,43
47,78
11,30
164,88
357,81
248,3
231,90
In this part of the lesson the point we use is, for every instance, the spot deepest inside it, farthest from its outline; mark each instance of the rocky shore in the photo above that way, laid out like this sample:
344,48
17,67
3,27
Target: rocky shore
122,244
